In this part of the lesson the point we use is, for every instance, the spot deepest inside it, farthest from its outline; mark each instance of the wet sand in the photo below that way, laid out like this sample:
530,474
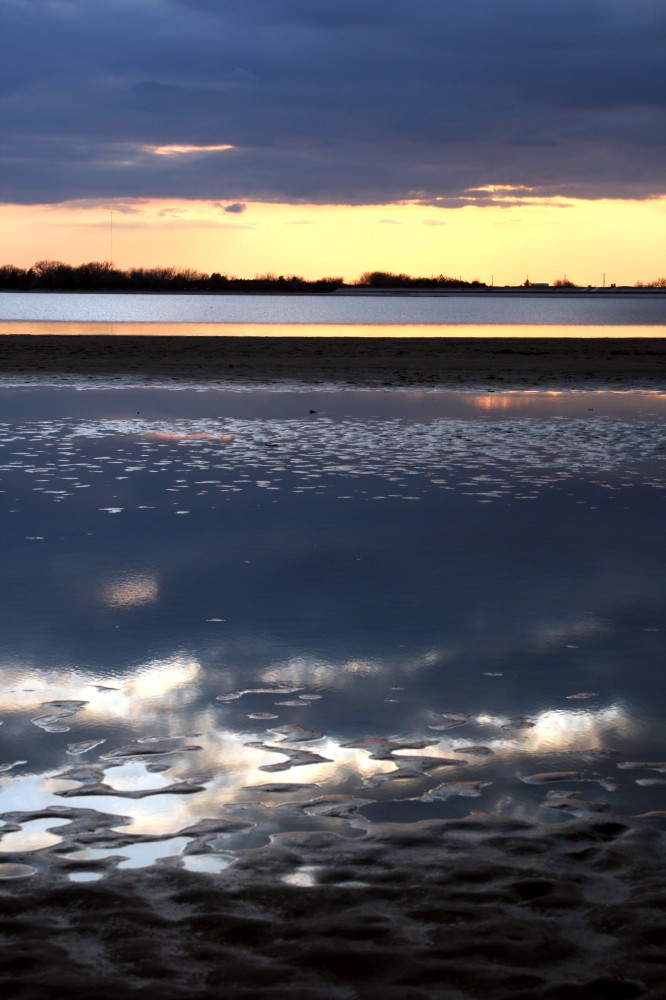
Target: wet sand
471,908
354,361
484,907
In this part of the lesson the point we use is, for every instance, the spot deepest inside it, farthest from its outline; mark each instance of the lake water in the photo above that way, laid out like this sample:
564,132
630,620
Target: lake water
234,604
595,313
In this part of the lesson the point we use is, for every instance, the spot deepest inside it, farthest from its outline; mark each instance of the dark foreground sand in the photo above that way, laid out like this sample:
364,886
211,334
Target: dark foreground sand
480,908
475,908
354,361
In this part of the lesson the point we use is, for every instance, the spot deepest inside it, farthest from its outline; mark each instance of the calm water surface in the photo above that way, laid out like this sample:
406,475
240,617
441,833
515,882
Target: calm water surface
224,313
224,604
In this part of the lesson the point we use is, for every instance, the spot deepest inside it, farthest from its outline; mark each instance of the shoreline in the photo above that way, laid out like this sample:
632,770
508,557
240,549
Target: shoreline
233,361
531,291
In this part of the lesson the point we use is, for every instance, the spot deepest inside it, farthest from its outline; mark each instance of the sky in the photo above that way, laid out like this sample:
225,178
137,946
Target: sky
495,139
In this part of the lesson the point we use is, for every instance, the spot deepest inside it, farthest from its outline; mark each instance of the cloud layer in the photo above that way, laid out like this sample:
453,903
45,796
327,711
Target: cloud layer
333,101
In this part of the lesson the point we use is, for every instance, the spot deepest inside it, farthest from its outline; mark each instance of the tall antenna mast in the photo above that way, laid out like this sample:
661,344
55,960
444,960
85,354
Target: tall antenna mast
111,237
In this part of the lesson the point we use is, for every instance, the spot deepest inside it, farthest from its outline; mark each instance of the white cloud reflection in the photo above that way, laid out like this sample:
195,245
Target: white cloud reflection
215,763
130,591
121,697
307,670
564,730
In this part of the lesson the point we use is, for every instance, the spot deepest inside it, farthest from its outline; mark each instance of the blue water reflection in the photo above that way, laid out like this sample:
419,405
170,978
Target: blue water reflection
276,314
224,605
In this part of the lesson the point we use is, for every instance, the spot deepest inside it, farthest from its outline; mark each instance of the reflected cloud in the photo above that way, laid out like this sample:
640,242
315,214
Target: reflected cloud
556,633
184,435
564,730
33,836
144,691
366,637
224,768
303,670
133,591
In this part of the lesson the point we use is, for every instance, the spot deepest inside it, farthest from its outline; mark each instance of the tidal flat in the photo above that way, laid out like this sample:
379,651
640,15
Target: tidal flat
332,690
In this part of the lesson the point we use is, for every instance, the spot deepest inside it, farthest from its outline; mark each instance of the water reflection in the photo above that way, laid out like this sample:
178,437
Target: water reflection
316,313
48,403
161,787
215,627
131,591
585,731
643,322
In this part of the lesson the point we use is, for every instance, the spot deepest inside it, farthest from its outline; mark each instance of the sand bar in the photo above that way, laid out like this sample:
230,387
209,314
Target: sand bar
354,361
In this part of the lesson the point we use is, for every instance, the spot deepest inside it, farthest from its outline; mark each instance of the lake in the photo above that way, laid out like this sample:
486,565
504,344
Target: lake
599,313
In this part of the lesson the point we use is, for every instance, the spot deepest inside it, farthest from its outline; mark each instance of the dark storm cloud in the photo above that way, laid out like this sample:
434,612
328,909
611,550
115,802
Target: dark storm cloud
345,101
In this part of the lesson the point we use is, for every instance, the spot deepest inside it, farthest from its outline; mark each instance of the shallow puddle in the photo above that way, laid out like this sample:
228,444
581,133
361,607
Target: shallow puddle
229,615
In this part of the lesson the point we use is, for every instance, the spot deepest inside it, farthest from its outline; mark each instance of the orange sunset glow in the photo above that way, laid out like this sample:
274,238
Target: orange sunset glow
590,242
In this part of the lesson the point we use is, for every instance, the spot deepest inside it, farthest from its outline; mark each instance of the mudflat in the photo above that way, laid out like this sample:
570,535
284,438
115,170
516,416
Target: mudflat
479,907
347,361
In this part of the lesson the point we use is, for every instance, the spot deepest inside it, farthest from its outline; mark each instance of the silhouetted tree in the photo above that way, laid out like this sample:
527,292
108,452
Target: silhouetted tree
655,283
564,283
385,279
13,277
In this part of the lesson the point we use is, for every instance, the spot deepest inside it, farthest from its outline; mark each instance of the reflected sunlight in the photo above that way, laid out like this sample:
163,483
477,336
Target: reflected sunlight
186,436
385,331
512,399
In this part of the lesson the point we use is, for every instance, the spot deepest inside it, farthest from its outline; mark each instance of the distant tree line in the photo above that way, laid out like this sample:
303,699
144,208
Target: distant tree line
100,276
385,279
54,275
657,283
50,275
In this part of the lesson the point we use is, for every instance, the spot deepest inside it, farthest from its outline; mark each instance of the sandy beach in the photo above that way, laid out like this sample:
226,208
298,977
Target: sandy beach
482,907
354,361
